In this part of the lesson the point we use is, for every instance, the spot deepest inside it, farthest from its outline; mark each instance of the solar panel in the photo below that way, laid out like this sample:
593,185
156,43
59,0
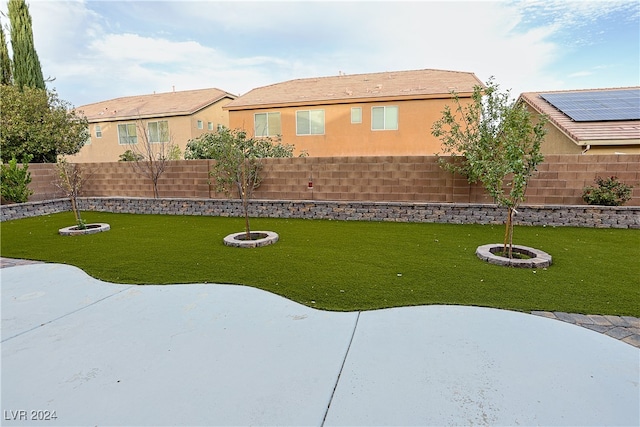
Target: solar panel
595,106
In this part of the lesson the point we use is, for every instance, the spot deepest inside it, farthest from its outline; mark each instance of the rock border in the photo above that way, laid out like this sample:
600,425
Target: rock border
421,212
539,259
94,228
269,239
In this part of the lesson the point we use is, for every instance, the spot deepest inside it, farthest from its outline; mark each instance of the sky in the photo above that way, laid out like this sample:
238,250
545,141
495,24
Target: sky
99,50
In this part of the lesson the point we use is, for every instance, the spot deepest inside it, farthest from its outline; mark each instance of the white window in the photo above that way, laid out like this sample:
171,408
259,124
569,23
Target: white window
210,125
356,115
384,118
219,128
98,130
200,124
127,134
158,131
310,122
267,124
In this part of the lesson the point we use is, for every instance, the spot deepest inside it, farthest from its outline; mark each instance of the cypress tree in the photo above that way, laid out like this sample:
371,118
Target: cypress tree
5,61
26,65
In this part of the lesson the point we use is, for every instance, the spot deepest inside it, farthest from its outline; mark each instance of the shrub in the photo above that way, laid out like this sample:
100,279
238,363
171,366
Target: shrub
130,156
609,192
174,153
14,181
213,145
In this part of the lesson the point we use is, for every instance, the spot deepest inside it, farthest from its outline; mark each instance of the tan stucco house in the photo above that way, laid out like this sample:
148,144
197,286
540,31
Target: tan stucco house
590,121
177,116
389,113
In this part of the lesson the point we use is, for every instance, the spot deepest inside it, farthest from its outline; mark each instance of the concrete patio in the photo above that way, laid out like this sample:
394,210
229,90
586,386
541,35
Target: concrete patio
106,354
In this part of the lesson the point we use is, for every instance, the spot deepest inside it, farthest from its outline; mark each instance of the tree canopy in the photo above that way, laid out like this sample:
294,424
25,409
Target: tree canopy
26,65
35,122
215,145
38,123
5,60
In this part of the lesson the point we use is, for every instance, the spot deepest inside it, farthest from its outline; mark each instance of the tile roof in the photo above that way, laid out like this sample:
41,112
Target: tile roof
346,88
586,133
155,105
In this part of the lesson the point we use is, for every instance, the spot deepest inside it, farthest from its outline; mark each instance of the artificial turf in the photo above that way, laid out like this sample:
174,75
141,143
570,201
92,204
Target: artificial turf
349,265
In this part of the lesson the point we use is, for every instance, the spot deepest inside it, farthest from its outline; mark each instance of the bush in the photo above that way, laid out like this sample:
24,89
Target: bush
130,156
201,147
609,192
174,153
14,181
213,145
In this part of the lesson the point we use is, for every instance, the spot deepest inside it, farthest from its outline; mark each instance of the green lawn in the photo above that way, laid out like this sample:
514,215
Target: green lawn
348,265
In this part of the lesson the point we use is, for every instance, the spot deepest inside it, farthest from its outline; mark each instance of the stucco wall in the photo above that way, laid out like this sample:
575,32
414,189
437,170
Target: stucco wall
181,128
343,138
560,180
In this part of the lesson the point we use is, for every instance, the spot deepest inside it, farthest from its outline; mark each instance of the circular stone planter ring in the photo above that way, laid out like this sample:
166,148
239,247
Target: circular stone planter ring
258,238
90,229
537,258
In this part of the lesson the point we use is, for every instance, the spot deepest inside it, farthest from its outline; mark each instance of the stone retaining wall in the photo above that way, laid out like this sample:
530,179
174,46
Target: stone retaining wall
31,209
453,213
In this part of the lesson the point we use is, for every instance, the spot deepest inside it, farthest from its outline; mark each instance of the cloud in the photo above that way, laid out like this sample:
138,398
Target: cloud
580,74
62,28
571,13
101,50
126,48
482,40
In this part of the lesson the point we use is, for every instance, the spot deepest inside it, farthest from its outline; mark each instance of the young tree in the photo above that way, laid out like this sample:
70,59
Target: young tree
238,161
36,122
152,151
26,65
5,61
71,179
495,141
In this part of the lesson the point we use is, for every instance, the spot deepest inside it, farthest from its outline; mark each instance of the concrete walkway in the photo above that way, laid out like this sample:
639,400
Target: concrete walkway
97,353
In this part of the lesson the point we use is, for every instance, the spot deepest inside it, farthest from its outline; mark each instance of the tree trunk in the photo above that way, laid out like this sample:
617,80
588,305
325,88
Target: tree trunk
508,234
245,202
74,207
246,218
511,212
155,189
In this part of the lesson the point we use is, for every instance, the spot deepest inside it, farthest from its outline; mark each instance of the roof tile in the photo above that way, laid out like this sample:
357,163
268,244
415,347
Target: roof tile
353,87
155,105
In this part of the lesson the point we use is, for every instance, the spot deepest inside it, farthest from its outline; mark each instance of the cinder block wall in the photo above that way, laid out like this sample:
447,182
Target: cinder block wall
43,182
183,178
562,178
559,181
365,179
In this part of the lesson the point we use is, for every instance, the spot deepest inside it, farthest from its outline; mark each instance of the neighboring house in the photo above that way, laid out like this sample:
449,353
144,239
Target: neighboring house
593,121
174,116
377,114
